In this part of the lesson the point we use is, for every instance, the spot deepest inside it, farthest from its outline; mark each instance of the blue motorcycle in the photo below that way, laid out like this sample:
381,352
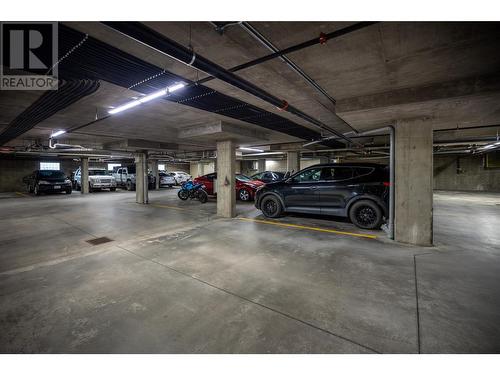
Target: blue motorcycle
190,190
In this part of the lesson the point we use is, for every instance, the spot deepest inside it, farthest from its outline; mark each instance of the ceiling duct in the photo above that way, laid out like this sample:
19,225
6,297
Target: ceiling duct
51,102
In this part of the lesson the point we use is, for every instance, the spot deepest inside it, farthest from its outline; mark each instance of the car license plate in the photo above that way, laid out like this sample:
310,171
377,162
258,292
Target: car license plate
57,187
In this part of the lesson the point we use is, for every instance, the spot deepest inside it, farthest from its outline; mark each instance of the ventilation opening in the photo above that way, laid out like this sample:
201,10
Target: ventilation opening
99,241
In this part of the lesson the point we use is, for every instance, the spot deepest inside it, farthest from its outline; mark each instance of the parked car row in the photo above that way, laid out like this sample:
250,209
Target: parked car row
359,191
48,181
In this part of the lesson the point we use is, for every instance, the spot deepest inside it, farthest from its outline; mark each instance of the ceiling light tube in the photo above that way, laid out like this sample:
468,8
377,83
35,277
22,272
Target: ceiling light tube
175,87
250,149
58,133
147,98
155,95
124,107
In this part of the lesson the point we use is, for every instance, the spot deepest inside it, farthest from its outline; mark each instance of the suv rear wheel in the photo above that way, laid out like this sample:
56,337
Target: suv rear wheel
271,206
366,214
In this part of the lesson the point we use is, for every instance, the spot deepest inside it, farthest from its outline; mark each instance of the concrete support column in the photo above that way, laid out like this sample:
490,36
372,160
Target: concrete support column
324,159
226,193
141,178
413,182
156,173
85,176
261,165
201,169
293,161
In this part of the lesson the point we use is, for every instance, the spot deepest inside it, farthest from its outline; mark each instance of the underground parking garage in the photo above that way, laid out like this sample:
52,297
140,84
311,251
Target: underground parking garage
253,187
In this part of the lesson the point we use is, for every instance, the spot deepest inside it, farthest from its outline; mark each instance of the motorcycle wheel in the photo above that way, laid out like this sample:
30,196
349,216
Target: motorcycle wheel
183,194
202,196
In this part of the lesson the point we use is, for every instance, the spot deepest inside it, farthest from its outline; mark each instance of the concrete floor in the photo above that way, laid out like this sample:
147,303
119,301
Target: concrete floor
177,279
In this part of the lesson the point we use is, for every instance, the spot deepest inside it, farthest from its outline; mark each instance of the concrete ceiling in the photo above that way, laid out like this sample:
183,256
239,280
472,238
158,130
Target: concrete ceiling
443,71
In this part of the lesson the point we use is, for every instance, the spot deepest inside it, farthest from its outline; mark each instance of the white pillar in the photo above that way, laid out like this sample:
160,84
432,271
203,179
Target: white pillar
201,169
413,182
293,161
156,173
226,193
261,165
141,178
84,181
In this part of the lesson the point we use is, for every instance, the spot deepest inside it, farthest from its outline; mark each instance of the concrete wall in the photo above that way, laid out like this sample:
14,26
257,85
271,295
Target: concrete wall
471,176
176,167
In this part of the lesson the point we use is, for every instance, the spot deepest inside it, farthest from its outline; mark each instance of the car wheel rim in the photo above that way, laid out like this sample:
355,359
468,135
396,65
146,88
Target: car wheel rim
366,216
270,207
244,195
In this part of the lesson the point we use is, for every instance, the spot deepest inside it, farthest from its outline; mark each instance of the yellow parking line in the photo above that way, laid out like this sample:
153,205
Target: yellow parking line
371,236
21,194
172,207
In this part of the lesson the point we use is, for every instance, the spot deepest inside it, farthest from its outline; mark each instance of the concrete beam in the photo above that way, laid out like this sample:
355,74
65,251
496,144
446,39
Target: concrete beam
221,131
293,161
141,178
140,144
413,182
226,192
443,90
84,181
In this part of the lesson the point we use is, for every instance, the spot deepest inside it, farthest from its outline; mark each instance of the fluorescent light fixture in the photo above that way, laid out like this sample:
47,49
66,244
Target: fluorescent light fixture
124,107
250,149
175,87
147,98
155,95
57,133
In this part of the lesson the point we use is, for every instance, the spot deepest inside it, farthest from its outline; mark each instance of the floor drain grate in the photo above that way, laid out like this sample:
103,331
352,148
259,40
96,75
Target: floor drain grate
99,241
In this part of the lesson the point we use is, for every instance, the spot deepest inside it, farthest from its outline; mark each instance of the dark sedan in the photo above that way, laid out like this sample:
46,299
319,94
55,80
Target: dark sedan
268,176
359,191
47,181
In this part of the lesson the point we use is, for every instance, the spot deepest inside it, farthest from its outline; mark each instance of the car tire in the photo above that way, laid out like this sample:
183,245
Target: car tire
36,190
68,191
128,185
244,195
271,206
170,186
90,188
366,214
112,189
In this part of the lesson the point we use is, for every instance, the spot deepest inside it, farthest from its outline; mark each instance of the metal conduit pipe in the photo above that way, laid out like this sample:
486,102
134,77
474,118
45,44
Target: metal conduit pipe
152,39
269,45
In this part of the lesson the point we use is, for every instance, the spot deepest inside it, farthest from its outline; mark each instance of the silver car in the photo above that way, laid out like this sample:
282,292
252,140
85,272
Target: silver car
167,179
181,177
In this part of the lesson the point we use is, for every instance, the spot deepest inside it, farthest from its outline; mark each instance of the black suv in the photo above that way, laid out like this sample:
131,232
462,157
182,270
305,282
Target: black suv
359,191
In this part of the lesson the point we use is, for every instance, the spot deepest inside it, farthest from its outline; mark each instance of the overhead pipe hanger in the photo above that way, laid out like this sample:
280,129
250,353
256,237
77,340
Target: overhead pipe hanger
152,39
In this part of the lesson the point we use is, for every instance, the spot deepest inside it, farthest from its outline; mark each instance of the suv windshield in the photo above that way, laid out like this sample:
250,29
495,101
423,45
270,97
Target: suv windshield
51,174
98,172
242,177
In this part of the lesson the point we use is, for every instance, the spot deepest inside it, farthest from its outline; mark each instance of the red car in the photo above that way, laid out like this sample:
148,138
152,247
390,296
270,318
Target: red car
245,186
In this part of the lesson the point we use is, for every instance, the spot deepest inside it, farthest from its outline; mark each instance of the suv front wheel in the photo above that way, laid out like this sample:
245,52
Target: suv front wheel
366,214
271,206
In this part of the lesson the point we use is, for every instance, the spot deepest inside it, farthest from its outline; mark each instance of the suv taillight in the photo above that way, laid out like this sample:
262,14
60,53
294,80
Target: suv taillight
387,184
